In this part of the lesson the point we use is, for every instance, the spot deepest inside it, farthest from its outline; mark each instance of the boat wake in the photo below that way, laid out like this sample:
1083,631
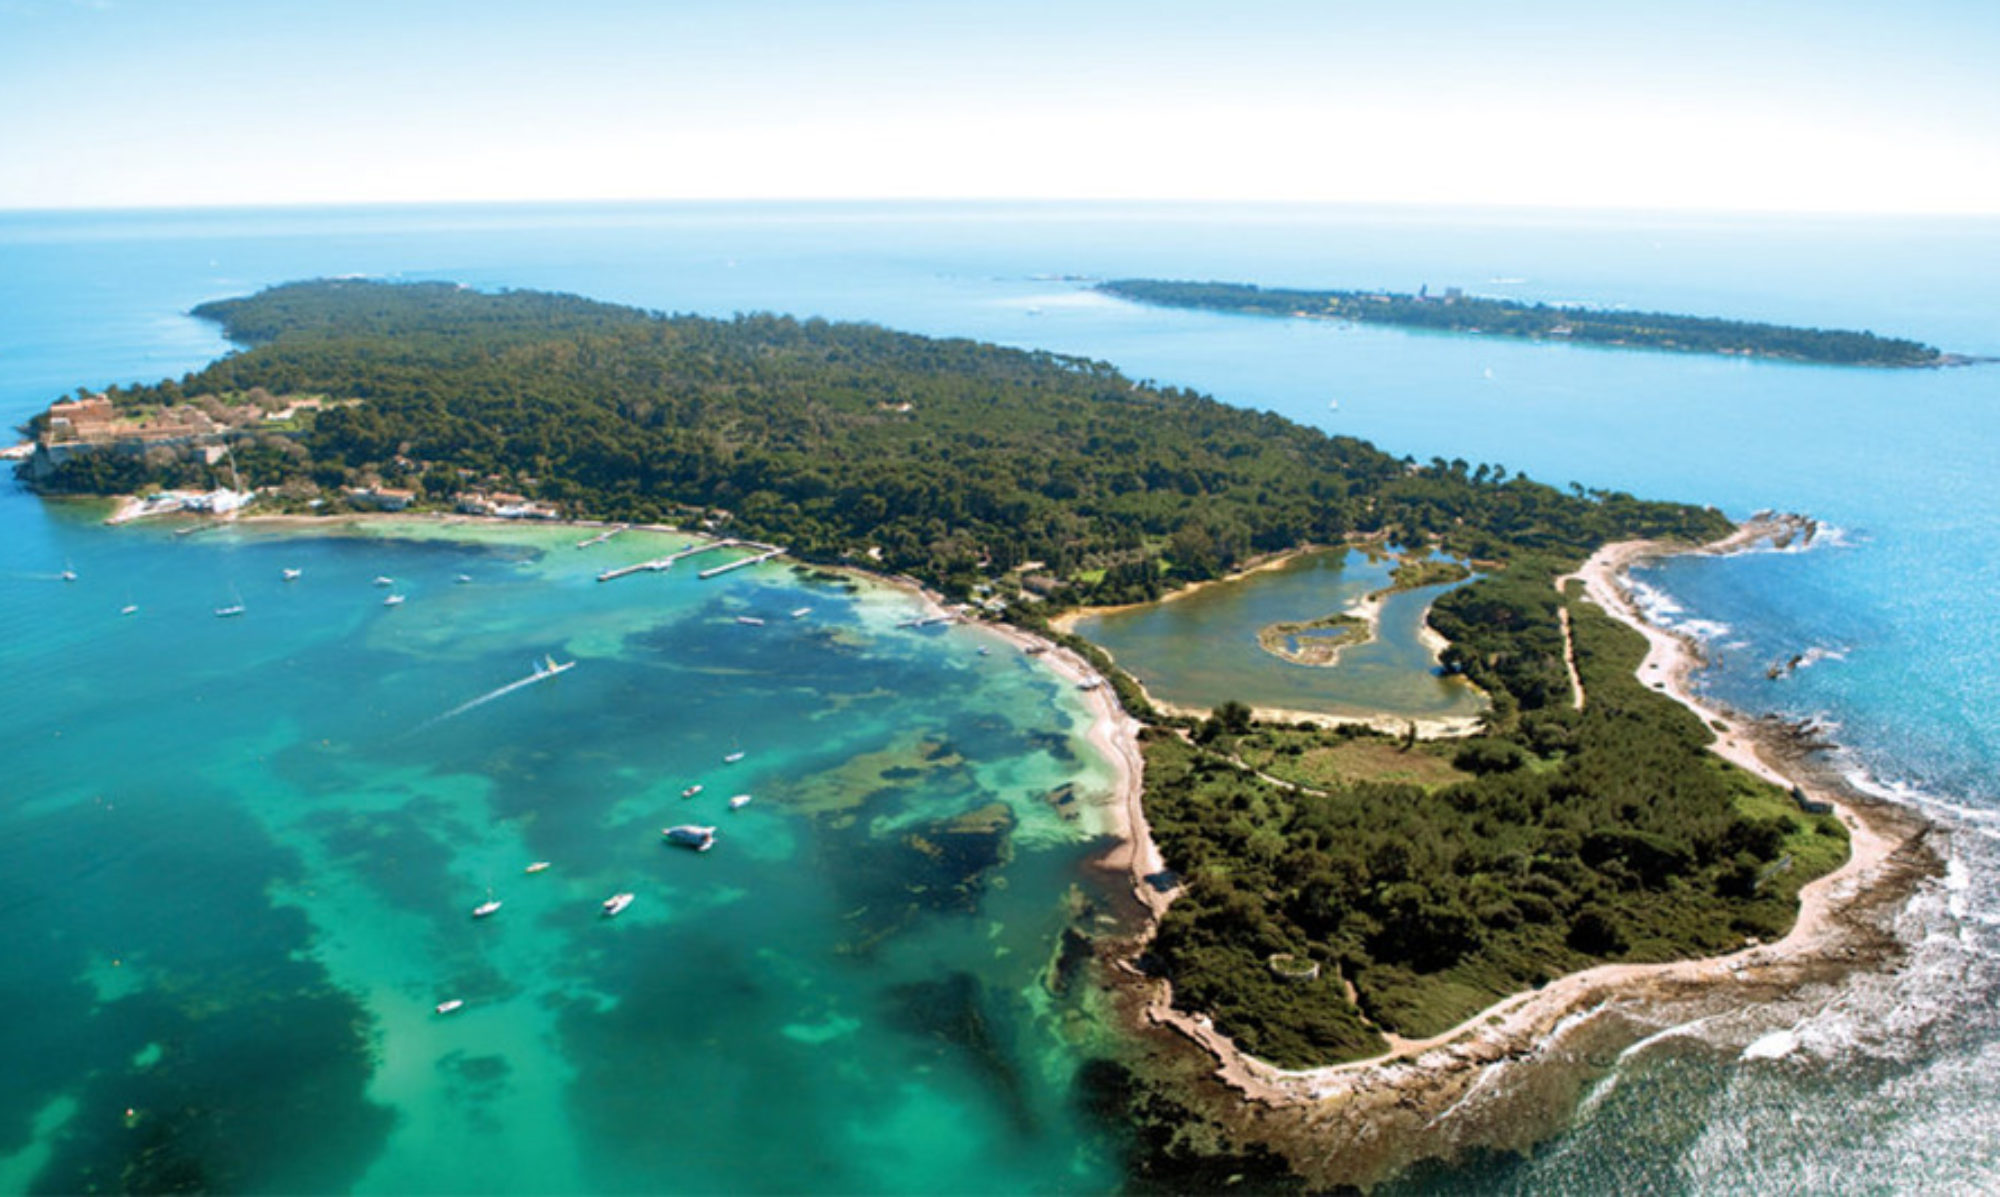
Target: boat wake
545,669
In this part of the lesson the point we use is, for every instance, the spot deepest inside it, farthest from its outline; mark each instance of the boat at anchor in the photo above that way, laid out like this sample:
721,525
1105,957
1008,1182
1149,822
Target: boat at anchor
688,835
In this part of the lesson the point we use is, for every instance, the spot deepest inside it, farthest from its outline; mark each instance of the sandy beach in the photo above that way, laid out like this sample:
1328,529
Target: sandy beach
1357,1122
1360,1121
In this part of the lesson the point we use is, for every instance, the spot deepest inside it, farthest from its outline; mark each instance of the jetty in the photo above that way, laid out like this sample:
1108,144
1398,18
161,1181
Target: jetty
663,564
603,536
768,552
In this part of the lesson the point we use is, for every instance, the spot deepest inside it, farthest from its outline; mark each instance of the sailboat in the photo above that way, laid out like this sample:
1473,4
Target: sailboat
487,907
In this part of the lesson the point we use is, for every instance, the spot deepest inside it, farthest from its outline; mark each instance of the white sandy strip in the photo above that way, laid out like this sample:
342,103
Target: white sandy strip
1523,1017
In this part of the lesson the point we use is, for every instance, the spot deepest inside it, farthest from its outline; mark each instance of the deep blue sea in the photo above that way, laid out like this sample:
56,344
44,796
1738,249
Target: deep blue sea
238,855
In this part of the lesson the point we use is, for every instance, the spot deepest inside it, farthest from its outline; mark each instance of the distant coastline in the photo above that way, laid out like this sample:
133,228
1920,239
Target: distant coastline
1455,312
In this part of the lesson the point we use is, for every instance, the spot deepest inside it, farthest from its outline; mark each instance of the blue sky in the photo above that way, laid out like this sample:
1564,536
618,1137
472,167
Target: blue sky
1824,106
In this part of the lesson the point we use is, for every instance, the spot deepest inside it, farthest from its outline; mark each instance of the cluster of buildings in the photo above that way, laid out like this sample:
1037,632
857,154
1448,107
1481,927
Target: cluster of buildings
502,505
93,424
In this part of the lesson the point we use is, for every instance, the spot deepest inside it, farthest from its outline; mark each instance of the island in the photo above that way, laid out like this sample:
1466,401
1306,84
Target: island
1319,642
1304,896
1452,310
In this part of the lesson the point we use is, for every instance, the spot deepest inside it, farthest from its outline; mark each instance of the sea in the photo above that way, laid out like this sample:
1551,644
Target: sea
238,855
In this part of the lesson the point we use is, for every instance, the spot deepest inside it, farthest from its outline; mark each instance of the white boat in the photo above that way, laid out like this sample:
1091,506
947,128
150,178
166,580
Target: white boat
801,612
462,579
394,600
293,575
448,1007
733,757
226,612
69,575
750,621
536,867
616,903
129,609
384,580
485,908
549,667
739,802
691,791
688,835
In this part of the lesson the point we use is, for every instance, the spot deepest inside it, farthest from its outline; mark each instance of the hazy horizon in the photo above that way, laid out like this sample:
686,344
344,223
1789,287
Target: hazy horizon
1789,107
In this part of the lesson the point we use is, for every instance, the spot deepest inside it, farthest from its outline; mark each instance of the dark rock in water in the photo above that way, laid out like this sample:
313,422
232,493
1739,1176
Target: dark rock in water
950,859
1168,1147
953,1013
477,1077
1074,953
941,866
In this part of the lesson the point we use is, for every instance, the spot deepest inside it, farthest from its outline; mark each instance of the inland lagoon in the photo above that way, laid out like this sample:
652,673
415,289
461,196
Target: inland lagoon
158,831
1200,648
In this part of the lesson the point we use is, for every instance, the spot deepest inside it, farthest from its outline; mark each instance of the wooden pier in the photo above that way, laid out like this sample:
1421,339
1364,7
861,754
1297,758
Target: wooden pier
603,536
663,564
768,553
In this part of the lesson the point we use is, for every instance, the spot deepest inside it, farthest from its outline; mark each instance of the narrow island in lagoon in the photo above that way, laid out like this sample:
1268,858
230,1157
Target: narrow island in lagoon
1315,897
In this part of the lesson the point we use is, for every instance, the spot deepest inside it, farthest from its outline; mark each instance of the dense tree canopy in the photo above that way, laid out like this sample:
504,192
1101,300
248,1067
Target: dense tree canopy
952,458
1565,836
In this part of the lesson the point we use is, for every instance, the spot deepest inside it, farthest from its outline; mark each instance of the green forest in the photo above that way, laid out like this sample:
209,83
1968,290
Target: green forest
1438,878
1454,312
1433,878
955,461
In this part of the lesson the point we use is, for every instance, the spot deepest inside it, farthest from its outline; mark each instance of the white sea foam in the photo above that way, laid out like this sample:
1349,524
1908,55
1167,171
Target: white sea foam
1662,610
1774,1046
1706,630
1824,536
1681,1030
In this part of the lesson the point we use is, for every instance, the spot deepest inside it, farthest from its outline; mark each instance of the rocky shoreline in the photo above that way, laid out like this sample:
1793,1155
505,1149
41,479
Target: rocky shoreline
1512,1075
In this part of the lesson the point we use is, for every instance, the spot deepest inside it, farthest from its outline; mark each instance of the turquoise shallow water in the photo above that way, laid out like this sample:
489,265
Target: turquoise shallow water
214,812
242,855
